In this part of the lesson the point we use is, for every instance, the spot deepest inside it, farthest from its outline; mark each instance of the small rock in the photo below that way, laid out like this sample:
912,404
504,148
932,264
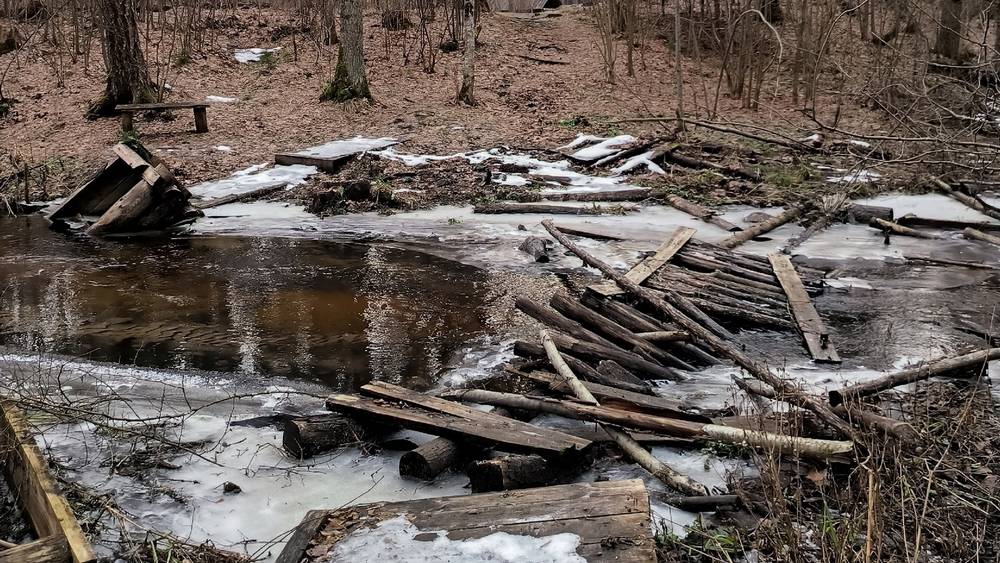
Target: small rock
231,488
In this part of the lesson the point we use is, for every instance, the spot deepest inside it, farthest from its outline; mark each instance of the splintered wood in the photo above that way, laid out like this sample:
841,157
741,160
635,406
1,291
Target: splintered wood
646,268
607,521
814,332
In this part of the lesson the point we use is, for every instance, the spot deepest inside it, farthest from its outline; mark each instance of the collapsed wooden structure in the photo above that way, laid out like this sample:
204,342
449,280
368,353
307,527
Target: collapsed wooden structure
59,537
131,194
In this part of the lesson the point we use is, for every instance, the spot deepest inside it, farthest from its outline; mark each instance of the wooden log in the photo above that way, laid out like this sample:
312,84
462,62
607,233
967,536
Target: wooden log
746,313
664,336
649,265
632,361
429,459
970,201
715,288
617,398
128,209
938,367
636,194
245,196
814,332
706,503
791,393
705,264
863,214
898,429
703,213
772,289
603,325
536,247
501,208
577,232
896,228
509,472
700,164
974,234
810,447
643,458
553,319
761,228
634,384
575,385
914,221
308,436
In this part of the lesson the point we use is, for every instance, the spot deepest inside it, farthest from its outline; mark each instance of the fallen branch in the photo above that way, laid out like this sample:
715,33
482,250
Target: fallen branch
925,371
760,228
500,208
896,228
974,234
791,393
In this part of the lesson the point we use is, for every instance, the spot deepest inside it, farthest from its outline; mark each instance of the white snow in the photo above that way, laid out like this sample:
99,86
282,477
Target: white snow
601,148
252,55
220,99
223,148
253,178
395,540
856,177
637,161
347,147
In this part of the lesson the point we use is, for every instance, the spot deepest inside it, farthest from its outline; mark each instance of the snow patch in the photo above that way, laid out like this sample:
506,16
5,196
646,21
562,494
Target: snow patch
395,539
254,178
220,99
347,147
857,177
252,55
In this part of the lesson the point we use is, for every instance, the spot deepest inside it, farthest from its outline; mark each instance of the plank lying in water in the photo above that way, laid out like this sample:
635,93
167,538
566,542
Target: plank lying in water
452,420
610,521
814,332
644,269
52,519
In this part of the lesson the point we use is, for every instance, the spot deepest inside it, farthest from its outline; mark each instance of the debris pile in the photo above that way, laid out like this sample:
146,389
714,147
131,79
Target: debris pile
134,193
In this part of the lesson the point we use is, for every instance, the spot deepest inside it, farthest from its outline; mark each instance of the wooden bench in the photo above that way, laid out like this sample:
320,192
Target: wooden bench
200,112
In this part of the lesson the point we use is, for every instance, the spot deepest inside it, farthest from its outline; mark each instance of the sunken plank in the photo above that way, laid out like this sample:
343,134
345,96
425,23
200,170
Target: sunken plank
26,473
428,414
327,164
617,398
596,512
645,268
813,330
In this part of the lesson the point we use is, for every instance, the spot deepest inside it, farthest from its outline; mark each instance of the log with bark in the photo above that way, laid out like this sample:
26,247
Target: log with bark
809,447
761,228
308,436
636,385
897,229
536,247
791,393
511,471
702,213
975,234
943,366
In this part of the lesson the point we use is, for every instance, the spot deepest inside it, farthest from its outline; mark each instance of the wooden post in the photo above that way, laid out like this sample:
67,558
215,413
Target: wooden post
127,124
201,119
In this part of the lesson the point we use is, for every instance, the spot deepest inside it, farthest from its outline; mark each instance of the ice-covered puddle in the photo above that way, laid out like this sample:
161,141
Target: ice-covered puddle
396,539
253,178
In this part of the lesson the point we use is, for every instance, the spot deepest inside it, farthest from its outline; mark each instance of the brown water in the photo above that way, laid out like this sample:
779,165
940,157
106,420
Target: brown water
336,313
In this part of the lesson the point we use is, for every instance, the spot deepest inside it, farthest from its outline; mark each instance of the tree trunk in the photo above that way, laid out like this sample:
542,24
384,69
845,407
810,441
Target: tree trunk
466,92
949,30
128,76
349,79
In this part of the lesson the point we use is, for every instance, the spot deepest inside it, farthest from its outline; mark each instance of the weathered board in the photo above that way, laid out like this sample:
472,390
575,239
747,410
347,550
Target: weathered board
814,332
455,421
331,156
104,188
645,268
61,538
611,519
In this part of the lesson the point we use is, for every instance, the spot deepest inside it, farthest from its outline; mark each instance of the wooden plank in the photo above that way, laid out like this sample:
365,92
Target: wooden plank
594,512
813,330
161,106
35,489
645,268
509,433
326,164
52,549
303,534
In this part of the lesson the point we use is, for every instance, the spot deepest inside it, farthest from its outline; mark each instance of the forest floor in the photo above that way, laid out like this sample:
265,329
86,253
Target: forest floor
274,106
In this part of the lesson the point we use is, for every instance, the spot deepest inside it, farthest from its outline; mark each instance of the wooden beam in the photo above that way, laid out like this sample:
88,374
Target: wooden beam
814,332
645,268
28,476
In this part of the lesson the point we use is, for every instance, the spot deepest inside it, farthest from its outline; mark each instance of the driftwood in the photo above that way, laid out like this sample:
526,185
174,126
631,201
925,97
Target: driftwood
761,228
630,360
702,213
589,234
974,234
912,375
663,336
790,392
634,384
643,458
895,228
536,247
810,447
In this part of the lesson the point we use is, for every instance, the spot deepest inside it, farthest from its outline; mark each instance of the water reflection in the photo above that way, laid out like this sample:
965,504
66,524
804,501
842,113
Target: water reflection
334,312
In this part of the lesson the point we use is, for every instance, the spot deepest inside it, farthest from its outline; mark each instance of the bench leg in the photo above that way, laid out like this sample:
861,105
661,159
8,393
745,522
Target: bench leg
201,120
127,121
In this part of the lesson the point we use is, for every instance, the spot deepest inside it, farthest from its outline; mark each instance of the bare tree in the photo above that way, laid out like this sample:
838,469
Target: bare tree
949,30
466,92
349,79
128,76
